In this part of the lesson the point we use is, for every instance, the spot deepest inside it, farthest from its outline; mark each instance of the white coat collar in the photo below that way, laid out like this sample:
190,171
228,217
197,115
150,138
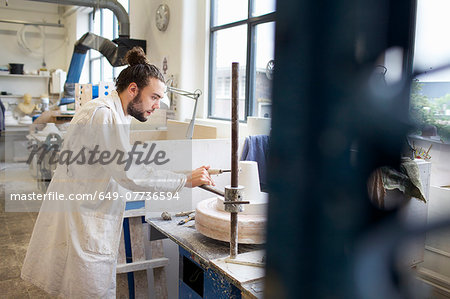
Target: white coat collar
119,107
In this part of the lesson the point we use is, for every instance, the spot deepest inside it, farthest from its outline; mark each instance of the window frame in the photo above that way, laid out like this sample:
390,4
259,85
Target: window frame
250,71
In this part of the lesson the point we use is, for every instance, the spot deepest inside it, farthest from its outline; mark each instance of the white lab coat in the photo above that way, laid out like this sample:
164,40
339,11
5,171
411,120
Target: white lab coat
74,245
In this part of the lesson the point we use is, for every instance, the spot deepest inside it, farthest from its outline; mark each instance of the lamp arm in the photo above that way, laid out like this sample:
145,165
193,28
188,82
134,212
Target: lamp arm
193,95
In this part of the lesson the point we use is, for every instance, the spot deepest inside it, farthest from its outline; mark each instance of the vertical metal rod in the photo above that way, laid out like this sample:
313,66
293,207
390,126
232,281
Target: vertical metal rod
234,235
234,123
234,153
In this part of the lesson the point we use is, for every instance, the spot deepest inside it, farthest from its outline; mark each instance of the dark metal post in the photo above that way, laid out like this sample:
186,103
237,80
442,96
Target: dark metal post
234,152
324,104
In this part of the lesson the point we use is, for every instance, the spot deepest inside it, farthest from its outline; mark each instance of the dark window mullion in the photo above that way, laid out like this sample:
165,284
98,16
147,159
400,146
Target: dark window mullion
212,17
251,74
255,20
212,72
248,75
248,68
212,55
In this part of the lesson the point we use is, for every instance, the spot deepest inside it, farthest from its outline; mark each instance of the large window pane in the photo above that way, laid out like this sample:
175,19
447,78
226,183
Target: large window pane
95,71
118,69
96,23
264,62
94,54
262,7
108,28
430,98
108,75
228,11
125,4
95,27
231,46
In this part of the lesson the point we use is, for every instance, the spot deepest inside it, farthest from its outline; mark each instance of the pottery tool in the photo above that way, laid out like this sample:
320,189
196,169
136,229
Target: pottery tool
187,213
185,220
218,171
212,190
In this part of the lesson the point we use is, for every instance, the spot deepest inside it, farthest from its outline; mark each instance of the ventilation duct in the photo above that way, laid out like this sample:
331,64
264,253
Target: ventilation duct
113,5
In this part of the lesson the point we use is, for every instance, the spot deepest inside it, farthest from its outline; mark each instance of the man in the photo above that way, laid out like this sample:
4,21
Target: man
74,245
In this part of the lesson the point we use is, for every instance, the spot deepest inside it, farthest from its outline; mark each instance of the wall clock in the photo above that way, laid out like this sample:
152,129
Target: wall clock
162,17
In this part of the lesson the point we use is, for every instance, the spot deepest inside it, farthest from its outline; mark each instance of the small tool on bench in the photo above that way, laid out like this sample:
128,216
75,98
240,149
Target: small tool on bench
186,220
187,213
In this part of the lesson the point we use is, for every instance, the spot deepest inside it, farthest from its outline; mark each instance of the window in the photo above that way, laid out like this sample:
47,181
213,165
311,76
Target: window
103,23
430,100
244,33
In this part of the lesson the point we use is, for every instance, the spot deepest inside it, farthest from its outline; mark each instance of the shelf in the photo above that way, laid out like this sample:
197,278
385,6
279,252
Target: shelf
20,96
23,76
10,96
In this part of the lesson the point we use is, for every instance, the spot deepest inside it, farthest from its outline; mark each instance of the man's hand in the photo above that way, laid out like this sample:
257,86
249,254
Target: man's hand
198,177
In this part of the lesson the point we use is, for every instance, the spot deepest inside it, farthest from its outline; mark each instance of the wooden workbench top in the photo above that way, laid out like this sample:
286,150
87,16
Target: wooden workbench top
210,253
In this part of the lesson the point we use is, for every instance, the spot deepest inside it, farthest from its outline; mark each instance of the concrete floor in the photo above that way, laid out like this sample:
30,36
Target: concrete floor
15,233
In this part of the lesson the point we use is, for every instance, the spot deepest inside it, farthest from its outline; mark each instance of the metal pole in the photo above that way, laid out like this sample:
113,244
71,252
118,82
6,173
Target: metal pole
234,153
113,5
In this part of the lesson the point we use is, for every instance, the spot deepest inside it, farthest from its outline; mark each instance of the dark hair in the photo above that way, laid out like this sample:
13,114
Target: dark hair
139,70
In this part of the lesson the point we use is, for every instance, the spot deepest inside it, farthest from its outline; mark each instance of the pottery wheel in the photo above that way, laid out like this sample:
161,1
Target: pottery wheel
213,222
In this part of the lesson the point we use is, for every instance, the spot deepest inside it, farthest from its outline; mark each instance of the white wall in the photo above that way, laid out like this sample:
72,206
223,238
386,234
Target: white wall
184,44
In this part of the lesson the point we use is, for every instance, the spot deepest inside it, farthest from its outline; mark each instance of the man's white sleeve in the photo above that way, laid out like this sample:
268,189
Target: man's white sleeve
113,137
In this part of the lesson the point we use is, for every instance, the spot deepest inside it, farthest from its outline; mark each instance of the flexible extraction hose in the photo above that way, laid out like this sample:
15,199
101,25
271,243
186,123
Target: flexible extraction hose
40,49
22,41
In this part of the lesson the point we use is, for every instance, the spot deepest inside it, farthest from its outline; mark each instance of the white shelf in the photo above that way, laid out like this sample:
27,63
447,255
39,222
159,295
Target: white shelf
14,96
23,76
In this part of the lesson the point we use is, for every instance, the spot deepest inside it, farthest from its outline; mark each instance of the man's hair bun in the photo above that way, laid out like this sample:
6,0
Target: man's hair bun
139,71
136,56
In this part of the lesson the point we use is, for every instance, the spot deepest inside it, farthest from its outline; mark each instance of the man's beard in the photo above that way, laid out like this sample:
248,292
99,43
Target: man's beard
135,109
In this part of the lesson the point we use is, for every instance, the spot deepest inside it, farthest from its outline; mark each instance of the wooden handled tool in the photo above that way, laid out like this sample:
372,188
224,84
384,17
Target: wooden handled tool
185,220
218,171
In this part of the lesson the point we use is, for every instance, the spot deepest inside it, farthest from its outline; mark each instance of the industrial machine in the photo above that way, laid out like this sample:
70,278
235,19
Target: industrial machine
113,51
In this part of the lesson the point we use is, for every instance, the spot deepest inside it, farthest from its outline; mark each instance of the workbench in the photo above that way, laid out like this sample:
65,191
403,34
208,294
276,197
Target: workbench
204,273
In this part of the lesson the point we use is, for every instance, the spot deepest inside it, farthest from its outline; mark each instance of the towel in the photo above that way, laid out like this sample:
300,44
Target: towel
256,148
